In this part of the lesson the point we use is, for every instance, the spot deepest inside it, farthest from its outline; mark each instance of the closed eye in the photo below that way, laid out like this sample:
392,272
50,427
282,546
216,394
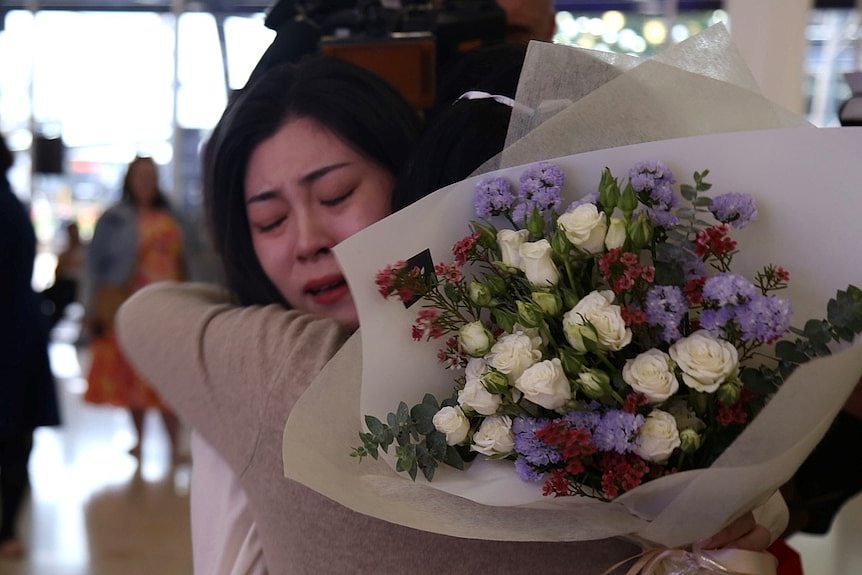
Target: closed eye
335,201
271,226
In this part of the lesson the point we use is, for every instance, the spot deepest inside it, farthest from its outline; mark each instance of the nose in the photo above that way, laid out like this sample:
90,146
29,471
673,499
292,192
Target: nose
313,239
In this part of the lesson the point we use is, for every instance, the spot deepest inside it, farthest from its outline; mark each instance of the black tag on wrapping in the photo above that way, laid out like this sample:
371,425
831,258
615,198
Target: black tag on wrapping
423,261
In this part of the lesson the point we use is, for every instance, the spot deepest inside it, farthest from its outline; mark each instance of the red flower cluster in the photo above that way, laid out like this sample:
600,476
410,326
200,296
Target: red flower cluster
715,241
465,248
396,280
426,326
633,401
451,356
621,472
449,272
623,269
633,316
693,290
572,442
735,414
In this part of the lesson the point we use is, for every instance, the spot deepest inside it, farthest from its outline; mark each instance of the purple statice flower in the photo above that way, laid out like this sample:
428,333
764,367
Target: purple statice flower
662,218
590,198
584,419
734,209
493,197
728,289
617,431
764,318
655,180
526,472
665,306
540,187
714,320
528,446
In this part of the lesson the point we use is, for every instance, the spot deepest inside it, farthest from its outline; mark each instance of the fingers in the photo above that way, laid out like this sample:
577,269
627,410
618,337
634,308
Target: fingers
757,539
735,531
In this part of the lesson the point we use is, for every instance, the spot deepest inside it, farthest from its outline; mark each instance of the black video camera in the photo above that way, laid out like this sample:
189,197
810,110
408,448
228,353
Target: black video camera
406,42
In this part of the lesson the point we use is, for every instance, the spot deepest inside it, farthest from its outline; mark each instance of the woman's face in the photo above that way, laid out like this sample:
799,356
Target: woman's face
305,191
143,182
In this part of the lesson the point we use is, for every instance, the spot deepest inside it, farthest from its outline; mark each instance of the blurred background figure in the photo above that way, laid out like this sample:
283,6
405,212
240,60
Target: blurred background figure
528,20
27,395
138,241
68,276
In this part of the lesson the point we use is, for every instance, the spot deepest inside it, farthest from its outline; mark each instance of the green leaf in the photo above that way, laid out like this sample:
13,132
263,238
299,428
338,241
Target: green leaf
756,381
429,399
437,446
374,425
790,352
845,311
403,414
406,457
817,332
687,192
703,201
423,415
669,274
453,458
392,421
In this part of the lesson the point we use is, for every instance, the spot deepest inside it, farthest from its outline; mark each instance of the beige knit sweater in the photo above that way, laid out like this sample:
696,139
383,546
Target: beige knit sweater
234,374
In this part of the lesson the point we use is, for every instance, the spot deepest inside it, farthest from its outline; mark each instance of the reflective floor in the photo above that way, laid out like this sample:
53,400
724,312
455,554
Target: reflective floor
94,510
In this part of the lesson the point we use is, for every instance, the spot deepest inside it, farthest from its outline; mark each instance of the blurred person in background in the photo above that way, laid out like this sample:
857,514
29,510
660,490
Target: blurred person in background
68,276
529,20
138,241
27,395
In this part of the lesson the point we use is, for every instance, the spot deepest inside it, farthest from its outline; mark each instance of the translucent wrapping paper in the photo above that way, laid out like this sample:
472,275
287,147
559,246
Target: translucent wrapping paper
806,186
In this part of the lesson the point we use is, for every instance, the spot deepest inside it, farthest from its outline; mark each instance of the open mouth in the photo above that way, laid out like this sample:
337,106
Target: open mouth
314,291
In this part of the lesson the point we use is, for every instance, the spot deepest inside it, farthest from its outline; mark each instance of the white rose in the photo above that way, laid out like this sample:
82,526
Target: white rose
651,374
452,422
509,242
512,354
494,436
596,309
474,395
475,369
585,227
616,235
657,437
545,384
475,339
706,362
537,264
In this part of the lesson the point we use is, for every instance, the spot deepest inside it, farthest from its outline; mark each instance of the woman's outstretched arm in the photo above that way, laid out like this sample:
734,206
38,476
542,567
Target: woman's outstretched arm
216,364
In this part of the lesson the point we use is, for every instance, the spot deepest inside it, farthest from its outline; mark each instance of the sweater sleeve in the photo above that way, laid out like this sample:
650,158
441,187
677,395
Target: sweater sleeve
216,364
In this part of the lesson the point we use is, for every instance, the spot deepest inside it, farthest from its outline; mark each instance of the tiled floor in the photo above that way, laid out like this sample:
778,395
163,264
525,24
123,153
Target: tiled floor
95,511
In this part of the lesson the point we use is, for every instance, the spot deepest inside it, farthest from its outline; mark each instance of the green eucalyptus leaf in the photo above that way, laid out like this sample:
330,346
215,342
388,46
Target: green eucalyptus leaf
790,352
437,446
817,332
423,415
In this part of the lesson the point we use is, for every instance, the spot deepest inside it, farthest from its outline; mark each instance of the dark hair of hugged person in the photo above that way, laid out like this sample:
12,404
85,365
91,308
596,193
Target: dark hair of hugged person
353,104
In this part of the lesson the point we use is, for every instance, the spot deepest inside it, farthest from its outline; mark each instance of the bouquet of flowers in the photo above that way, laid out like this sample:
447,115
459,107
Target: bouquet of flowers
604,344
658,256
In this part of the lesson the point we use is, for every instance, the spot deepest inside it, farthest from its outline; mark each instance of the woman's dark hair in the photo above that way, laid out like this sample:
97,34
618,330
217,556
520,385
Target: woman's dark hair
460,140
463,134
159,200
352,103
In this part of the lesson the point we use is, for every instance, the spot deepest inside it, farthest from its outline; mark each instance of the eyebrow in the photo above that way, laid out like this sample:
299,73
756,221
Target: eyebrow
305,180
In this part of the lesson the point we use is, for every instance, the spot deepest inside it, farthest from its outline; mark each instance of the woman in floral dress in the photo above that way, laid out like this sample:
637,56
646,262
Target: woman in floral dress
136,242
